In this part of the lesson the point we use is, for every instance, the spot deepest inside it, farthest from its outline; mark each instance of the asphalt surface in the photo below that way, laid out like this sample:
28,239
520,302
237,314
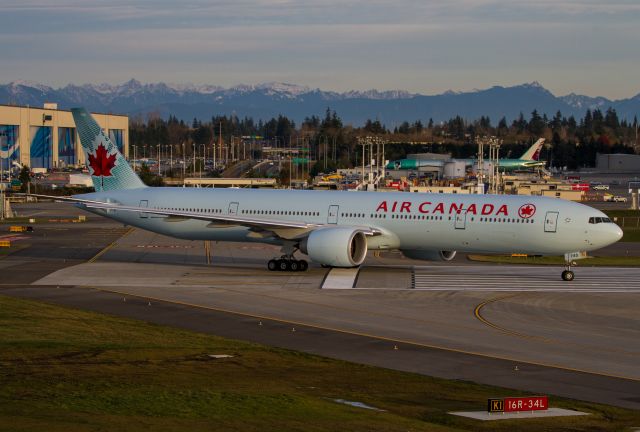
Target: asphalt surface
583,345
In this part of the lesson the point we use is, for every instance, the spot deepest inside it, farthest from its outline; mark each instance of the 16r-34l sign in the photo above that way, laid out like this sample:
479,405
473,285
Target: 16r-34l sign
514,404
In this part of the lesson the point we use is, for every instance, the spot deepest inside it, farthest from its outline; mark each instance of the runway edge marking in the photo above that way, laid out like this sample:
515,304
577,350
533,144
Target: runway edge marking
355,333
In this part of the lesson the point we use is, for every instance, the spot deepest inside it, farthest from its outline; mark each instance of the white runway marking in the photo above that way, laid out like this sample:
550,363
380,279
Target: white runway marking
521,278
340,278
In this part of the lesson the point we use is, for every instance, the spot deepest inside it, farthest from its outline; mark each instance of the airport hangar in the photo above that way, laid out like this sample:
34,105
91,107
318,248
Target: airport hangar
46,138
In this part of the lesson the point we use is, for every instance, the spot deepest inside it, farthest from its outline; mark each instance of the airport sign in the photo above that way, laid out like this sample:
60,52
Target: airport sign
516,404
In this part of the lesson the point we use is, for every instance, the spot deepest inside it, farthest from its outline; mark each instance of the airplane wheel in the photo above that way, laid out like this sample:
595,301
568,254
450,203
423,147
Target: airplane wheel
294,265
272,265
283,265
303,265
567,275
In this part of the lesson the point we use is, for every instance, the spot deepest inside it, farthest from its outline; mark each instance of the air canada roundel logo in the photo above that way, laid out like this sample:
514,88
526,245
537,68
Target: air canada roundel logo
526,211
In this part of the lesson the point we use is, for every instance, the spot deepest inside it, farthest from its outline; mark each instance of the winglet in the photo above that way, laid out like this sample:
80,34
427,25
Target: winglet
107,166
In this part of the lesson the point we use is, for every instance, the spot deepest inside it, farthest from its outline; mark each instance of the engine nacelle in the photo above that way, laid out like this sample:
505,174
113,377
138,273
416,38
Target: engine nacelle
429,255
336,247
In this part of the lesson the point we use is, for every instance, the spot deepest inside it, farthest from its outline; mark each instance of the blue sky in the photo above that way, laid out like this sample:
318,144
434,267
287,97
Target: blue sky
582,46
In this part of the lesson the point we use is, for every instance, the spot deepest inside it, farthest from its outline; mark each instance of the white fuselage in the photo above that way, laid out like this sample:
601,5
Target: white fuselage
410,221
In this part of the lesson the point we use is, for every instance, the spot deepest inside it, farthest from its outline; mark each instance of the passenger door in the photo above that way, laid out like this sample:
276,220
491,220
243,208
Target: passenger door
145,204
332,218
233,209
461,220
551,222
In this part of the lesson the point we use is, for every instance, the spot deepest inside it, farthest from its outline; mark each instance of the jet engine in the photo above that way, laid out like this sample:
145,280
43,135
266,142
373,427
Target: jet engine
429,255
336,247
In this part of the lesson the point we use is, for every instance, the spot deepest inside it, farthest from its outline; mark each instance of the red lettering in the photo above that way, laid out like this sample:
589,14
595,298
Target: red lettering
487,209
439,208
382,206
421,208
472,209
503,210
453,208
395,204
406,205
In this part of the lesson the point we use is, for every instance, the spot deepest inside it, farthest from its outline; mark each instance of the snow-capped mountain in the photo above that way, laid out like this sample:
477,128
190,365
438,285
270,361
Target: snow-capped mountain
585,102
268,100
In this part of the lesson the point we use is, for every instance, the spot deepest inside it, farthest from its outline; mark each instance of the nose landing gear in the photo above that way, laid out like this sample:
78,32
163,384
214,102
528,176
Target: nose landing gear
567,274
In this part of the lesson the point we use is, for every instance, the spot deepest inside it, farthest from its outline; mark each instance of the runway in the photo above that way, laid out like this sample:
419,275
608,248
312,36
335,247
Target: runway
454,320
512,278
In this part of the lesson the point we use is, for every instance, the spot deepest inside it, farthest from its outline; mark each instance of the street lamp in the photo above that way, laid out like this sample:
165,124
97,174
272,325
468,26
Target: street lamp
184,163
204,154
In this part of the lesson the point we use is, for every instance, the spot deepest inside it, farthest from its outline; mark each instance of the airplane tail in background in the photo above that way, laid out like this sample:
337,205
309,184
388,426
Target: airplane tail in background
108,168
534,151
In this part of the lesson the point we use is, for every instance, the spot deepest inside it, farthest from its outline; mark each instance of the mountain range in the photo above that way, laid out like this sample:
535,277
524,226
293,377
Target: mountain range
268,100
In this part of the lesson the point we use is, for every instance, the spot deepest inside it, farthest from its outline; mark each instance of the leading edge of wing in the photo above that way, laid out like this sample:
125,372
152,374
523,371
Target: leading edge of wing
238,220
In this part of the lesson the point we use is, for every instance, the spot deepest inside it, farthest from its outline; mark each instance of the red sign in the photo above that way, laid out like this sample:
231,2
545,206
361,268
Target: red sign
529,403
580,186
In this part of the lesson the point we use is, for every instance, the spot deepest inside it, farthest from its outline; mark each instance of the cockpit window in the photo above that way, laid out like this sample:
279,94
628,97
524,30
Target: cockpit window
597,220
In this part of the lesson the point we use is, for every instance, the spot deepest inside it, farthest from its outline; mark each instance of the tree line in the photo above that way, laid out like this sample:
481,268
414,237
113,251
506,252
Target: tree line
571,142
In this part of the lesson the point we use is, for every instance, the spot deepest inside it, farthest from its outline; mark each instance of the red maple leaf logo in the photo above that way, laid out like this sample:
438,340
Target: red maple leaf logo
526,211
102,163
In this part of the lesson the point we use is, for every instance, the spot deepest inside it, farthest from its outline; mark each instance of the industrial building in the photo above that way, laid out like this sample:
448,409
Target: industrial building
617,162
46,138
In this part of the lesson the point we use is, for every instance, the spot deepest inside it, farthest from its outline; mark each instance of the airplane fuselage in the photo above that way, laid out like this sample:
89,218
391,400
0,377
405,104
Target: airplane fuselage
408,221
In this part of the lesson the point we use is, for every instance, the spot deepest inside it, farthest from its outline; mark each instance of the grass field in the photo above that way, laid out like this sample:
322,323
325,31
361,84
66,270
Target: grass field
70,370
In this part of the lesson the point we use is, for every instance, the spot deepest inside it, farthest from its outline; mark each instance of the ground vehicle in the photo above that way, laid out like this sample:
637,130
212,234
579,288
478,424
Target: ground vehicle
600,187
615,198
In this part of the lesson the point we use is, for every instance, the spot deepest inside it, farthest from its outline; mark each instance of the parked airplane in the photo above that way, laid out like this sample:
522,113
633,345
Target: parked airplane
528,160
338,228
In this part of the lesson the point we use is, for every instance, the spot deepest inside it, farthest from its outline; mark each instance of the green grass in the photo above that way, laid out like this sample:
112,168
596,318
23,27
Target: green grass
631,235
64,369
557,260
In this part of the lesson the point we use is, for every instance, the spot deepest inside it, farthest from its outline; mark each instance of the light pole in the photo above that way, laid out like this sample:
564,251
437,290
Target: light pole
193,147
184,163
159,154
204,156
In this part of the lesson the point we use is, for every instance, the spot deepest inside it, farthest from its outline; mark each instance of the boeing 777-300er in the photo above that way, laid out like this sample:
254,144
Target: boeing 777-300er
334,228
528,160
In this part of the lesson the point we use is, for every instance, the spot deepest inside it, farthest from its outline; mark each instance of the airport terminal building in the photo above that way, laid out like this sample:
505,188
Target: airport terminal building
46,138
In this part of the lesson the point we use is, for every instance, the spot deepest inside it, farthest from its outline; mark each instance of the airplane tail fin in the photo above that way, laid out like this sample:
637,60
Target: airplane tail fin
107,166
534,151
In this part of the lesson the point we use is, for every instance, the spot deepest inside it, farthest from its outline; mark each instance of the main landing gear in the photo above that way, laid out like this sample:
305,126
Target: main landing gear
567,274
287,264
287,261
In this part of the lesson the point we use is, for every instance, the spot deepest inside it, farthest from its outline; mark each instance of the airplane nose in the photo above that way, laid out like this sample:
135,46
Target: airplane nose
617,233
613,233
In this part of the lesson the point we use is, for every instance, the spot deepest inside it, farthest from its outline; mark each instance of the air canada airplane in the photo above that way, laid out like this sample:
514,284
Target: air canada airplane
336,229
528,160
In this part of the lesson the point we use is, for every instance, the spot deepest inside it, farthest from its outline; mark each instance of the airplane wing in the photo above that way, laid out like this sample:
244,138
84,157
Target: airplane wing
280,227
